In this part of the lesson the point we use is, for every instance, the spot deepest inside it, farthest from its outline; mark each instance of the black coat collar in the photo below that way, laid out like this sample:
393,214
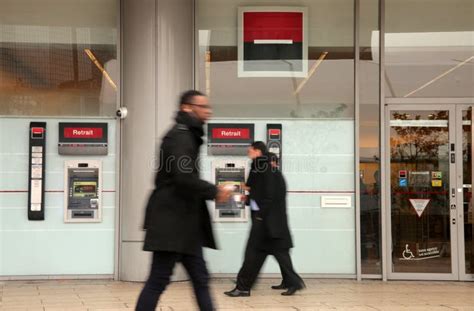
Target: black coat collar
194,125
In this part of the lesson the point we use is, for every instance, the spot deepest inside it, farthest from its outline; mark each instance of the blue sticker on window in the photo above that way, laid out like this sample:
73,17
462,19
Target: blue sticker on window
402,182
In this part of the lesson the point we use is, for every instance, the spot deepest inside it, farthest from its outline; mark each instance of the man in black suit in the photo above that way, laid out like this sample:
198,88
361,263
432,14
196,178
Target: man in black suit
269,234
275,163
177,221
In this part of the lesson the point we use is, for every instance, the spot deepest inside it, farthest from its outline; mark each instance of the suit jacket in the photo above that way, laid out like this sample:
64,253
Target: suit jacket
177,218
268,189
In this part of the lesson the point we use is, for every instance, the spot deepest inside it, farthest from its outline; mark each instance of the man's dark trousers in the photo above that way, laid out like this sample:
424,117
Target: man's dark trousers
255,258
161,270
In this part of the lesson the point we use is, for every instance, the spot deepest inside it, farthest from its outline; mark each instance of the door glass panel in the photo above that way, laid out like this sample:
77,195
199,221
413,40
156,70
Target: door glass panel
467,191
419,181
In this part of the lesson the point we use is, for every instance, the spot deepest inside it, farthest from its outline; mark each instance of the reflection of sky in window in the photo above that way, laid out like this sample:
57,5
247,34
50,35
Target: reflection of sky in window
428,64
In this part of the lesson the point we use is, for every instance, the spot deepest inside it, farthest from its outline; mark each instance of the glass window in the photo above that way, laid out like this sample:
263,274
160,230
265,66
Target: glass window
369,146
292,64
429,48
58,57
325,90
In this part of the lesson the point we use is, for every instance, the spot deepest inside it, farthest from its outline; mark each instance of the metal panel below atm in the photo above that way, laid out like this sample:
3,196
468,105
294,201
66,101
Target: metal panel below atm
231,173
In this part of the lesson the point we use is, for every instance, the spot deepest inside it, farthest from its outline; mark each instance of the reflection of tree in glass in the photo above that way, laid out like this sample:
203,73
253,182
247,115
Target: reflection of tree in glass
414,143
419,146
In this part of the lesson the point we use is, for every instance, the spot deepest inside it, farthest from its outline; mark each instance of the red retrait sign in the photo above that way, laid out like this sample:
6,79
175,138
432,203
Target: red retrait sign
83,132
231,133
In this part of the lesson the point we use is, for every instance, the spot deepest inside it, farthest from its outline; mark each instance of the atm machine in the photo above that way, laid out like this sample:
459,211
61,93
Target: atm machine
82,195
231,173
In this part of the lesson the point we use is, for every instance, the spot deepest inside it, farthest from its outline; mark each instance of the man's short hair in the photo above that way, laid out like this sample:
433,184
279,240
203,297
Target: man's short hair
188,96
260,145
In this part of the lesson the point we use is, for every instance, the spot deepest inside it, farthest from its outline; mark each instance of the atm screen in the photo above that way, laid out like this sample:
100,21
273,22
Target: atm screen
84,189
235,184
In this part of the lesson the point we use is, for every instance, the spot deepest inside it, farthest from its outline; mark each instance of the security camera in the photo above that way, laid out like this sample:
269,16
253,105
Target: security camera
121,113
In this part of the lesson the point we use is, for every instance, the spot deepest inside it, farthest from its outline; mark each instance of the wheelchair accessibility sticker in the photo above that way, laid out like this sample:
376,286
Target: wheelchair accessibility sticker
407,253
423,253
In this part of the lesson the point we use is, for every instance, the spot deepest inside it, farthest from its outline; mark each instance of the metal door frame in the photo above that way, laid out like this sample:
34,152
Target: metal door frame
404,106
463,276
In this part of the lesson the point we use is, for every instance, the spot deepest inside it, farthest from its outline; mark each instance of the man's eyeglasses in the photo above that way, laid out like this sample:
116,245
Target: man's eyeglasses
200,106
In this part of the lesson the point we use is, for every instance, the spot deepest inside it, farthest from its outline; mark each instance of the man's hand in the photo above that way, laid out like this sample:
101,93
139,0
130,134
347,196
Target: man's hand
223,194
244,187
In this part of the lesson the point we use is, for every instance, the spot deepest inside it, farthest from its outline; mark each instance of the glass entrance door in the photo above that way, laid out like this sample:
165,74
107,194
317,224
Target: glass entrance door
421,171
464,181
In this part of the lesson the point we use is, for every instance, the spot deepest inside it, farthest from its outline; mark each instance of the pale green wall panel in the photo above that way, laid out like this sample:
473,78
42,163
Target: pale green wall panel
318,156
51,247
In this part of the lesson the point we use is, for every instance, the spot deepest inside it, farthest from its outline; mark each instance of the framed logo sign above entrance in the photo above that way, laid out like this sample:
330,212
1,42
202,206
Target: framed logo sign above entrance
272,42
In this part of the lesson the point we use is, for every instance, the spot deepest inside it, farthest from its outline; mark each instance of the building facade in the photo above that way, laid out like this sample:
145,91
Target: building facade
367,102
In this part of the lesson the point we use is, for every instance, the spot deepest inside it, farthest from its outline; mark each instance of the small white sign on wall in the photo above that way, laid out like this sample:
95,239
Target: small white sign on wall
336,201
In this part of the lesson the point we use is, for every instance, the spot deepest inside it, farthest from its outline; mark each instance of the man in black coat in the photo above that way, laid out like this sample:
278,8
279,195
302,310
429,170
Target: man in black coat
177,221
269,234
279,220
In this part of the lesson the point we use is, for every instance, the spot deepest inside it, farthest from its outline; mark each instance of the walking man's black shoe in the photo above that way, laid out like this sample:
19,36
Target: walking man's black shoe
281,286
238,293
291,291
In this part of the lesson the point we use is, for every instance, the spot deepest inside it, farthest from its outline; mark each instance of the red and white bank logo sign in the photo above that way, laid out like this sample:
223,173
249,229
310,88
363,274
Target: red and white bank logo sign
83,132
274,133
37,132
272,42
